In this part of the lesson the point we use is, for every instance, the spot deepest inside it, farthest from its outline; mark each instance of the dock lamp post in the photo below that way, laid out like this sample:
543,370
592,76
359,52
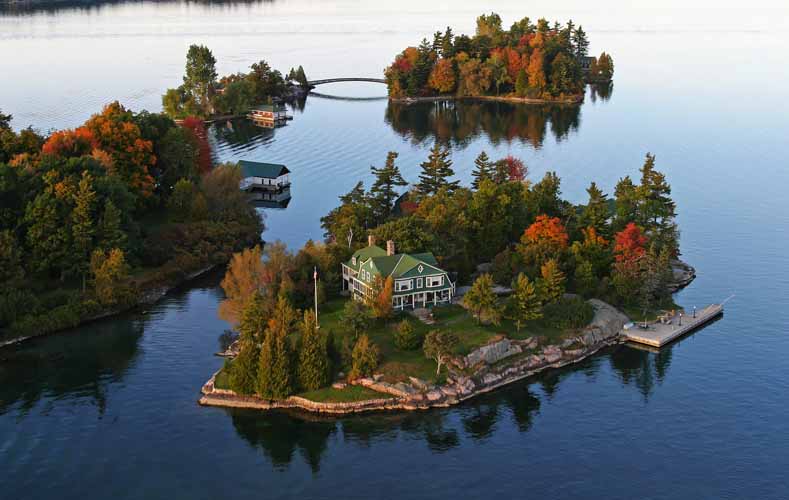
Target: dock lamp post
680,319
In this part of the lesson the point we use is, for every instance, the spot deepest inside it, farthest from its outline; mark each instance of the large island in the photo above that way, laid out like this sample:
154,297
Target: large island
475,287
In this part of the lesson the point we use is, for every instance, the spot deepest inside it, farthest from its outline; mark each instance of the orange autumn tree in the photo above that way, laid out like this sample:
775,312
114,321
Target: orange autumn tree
442,78
629,248
116,134
380,301
70,143
545,239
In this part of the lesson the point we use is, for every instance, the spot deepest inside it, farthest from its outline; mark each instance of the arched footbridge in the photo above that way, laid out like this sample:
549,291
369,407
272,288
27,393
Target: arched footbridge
314,83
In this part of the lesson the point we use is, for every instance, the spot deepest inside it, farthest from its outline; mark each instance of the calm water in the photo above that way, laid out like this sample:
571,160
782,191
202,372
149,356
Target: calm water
110,410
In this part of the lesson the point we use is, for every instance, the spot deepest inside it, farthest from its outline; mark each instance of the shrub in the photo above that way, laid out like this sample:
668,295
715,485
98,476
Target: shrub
569,313
365,358
406,338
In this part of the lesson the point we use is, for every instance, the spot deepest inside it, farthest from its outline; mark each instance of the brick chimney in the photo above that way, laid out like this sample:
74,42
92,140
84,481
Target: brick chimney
390,247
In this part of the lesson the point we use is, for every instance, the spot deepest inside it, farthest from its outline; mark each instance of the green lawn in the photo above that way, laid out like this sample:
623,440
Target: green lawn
636,313
349,394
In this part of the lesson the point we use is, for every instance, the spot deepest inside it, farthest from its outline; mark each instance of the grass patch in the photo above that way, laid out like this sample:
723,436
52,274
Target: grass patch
349,394
636,313
222,379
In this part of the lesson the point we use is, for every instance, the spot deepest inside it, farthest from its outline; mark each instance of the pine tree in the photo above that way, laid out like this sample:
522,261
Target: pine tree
580,42
552,283
447,49
595,213
626,196
301,77
244,369
656,210
275,366
482,301
522,83
110,235
313,356
524,304
383,194
435,172
82,226
365,358
482,171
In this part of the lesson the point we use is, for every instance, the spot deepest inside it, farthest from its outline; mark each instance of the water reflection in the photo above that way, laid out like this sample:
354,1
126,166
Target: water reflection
69,365
459,123
642,368
29,7
602,91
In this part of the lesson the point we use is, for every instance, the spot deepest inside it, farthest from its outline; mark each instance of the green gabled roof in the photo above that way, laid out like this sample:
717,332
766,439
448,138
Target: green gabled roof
260,169
397,266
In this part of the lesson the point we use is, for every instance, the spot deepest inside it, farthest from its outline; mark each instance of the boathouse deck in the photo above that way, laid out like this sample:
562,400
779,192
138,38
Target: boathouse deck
659,334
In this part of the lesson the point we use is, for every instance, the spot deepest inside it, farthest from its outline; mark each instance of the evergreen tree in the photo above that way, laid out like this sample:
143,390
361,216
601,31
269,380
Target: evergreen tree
383,194
437,40
626,196
47,235
435,172
314,369
522,83
301,77
252,327
447,48
552,282
109,233
656,209
585,278
580,42
355,317
82,226
524,304
482,301
275,365
406,338
595,213
365,358
482,170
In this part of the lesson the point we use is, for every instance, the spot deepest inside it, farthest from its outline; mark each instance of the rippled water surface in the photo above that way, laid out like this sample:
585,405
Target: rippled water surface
109,410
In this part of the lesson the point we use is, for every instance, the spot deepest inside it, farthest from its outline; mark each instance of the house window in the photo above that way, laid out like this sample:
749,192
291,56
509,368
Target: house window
353,261
433,281
419,283
403,285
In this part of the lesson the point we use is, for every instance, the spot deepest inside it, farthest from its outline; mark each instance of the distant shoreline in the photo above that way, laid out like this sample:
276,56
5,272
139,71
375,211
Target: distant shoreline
512,99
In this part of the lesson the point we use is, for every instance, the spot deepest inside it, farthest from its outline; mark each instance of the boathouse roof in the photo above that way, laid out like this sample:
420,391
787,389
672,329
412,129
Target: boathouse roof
260,169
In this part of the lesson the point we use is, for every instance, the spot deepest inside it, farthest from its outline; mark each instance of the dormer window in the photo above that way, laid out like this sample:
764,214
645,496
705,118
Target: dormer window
353,260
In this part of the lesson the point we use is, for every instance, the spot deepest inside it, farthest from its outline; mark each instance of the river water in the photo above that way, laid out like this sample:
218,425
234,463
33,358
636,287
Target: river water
109,410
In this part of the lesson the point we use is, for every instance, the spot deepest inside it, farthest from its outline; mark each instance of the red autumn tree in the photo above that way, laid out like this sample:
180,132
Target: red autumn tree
197,126
514,63
630,243
516,169
70,143
116,133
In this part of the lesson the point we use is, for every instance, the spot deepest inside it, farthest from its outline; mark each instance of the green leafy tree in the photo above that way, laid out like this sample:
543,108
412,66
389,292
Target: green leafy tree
47,235
200,76
314,367
383,192
436,171
482,301
366,356
406,338
552,283
109,232
522,83
524,303
483,169
179,205
355,317
439,346
252,329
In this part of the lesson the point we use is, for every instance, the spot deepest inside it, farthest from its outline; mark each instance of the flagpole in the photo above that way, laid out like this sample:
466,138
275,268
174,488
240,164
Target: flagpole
315,279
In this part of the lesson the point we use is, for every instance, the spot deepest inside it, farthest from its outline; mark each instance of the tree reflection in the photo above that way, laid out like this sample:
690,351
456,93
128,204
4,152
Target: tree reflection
460,122
279,436
641,367
603,91
74,364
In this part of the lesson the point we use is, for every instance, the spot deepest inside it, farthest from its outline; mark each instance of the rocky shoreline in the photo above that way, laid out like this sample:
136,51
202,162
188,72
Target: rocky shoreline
496,364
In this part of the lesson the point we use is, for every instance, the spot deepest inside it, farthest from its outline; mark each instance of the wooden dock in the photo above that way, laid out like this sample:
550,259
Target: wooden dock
659,334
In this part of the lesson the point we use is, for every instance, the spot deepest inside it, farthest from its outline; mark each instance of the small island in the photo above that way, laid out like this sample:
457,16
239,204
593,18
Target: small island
535,63
469,289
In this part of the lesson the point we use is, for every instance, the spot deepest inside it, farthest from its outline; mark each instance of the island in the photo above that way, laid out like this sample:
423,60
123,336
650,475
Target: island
431,296
534,63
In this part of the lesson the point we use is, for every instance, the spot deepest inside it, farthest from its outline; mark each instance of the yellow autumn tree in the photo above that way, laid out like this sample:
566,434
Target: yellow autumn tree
380,300
245,275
